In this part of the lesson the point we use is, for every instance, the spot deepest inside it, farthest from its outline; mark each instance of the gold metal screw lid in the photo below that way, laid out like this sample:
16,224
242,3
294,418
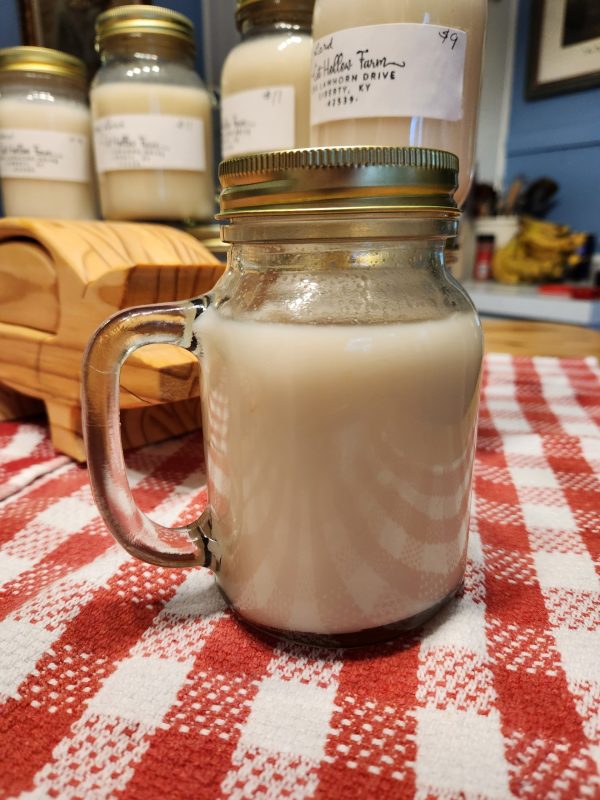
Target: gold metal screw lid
143,20
42,60
343,179
293,11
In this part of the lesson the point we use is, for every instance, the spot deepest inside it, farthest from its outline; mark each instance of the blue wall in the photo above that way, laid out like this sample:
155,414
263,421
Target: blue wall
10,33
192,9
558,137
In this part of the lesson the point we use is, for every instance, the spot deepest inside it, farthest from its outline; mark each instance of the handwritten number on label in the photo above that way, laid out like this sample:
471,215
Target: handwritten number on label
449,36
274,96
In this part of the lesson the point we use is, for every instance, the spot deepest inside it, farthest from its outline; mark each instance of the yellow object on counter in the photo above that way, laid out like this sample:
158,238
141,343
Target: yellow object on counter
539,252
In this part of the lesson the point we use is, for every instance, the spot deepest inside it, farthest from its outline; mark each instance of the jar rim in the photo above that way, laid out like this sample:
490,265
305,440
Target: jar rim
403,224
44,61
250,12
135,20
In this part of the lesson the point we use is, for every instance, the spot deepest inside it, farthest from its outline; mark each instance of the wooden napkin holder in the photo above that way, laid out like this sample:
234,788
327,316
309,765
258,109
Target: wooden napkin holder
58,281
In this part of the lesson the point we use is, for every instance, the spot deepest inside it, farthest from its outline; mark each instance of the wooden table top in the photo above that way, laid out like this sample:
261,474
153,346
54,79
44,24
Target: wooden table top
525,338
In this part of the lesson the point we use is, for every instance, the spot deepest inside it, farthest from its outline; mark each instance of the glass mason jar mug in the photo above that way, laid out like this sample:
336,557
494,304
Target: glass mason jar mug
340,374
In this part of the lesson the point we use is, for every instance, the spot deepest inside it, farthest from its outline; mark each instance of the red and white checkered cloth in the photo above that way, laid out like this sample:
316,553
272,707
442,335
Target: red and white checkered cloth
120,680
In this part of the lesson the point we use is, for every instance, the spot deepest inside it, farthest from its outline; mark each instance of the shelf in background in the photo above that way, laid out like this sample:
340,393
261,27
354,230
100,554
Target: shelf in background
524,302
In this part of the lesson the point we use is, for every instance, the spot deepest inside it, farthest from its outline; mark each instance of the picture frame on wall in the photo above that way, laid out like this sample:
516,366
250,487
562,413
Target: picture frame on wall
564,47
67,25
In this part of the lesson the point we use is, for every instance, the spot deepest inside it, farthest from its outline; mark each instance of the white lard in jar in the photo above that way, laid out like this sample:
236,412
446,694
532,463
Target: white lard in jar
399,72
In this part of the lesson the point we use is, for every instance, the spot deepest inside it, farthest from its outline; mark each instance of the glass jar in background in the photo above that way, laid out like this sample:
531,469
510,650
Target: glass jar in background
45,149
265,82
399,72
152,118
340,389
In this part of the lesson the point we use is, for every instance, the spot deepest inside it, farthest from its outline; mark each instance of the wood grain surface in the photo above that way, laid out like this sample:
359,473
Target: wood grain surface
58,281
525,338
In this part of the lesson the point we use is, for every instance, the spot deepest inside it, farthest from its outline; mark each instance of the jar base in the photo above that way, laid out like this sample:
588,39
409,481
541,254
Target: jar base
361,638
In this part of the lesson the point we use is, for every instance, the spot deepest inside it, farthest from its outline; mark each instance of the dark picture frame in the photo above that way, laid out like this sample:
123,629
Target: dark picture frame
564,47
66,25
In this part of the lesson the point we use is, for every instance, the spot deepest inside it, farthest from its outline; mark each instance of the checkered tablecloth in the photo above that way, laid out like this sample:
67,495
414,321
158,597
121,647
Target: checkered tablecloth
121,680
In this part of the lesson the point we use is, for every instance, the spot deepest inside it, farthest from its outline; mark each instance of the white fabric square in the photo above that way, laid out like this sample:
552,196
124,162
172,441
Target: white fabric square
580,428
499,358
558,518
460,752
196,597
506,423
460,625
69,515
499,404
12,566
289,717
22,644
568,409
590,447
498,389
474,549
538,477
529,444
25,440
594,750
580,653
546,363
141,689
566,571
98,571
556,386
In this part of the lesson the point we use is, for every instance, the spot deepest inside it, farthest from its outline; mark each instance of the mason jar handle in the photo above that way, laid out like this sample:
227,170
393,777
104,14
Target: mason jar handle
109,347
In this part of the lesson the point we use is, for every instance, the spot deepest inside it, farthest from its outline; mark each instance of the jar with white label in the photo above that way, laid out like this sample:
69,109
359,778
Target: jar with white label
45,149
399,72
265,83
152,118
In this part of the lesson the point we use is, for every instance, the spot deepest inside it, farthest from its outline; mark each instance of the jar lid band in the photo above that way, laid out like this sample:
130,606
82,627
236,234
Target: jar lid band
143,20
43,60
272,11
344,179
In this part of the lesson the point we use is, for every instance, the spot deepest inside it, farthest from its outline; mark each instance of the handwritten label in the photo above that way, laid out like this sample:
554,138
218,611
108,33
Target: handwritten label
47,155
396,70
149,141
258,119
